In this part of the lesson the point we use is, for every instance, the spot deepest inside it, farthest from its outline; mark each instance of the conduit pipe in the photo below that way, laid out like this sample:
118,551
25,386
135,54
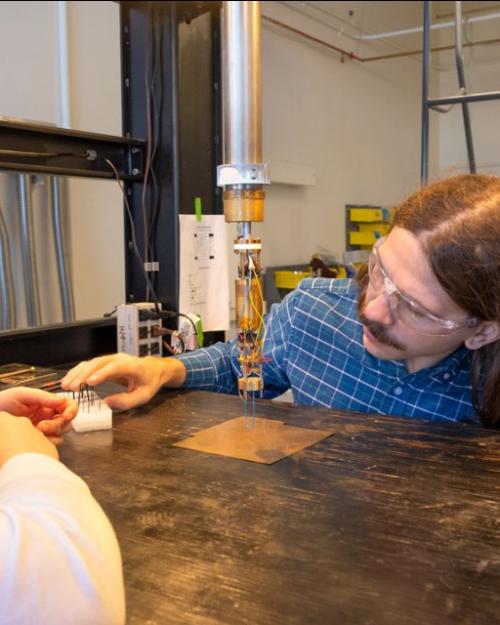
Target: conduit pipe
7,300
32,296
61,251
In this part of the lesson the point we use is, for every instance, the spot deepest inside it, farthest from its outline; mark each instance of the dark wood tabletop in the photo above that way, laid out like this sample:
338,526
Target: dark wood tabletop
389,521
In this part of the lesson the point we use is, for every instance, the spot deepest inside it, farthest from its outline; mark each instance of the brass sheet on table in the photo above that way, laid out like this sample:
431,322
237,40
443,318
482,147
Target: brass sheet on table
255,439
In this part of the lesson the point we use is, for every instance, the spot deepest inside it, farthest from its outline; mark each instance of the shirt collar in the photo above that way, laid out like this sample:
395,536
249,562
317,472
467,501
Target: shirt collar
451,366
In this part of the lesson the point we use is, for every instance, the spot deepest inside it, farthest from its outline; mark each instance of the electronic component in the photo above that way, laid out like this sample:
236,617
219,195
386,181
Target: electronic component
249,316
190,333
139,329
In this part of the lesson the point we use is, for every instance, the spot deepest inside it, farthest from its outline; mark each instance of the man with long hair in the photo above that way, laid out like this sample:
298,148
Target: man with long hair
415,335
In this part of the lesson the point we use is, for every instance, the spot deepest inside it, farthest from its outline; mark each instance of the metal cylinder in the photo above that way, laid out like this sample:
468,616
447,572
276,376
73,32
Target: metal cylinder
249,304
28,250
60,241
242,176
242,83
244,205
244,230
7,300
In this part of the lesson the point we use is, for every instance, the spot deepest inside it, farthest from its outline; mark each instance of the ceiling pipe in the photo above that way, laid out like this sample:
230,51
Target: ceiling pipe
346,54
419,29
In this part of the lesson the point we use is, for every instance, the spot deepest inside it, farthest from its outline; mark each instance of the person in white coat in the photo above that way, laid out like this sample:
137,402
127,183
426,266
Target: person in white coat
59,557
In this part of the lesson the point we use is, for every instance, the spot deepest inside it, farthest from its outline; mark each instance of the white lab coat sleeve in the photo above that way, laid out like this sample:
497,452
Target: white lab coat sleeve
59,557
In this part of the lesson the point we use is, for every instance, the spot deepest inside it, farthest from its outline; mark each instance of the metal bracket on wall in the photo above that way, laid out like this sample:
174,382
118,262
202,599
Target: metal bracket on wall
40,149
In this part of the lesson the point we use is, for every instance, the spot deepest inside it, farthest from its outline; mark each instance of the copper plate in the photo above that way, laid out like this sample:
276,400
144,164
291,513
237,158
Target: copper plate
254,439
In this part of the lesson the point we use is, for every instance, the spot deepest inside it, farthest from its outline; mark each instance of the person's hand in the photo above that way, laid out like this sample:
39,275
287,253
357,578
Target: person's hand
142,377
18,435
49,413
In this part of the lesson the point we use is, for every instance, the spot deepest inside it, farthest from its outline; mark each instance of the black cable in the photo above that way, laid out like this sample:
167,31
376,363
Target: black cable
159,313
133,237
150,207
156,104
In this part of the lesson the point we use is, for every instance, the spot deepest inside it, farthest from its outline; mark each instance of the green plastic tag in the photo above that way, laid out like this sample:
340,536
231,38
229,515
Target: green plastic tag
197,208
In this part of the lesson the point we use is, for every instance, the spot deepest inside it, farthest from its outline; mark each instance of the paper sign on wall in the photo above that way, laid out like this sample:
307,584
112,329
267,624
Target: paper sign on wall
204,288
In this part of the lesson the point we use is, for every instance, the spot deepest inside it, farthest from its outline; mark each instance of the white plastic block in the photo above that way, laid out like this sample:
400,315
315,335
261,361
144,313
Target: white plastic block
93,414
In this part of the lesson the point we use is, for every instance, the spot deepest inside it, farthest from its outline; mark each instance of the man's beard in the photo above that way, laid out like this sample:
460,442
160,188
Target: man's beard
378,330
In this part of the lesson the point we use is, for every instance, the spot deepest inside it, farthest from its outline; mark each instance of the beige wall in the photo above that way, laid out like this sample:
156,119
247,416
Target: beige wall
30,89
356,125
96,206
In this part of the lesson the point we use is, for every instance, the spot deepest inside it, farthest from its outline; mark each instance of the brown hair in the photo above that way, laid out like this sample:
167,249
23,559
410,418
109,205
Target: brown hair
458,223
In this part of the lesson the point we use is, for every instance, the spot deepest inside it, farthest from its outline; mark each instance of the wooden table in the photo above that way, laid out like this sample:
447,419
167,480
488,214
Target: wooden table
389,521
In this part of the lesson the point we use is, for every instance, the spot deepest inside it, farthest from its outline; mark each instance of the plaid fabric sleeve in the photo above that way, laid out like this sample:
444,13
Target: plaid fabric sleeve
279,326
216,368
210,368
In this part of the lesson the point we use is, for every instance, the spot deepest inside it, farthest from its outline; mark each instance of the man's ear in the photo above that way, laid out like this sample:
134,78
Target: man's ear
485,333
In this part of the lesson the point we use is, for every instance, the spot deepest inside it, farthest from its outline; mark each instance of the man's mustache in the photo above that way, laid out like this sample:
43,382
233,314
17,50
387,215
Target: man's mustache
380,332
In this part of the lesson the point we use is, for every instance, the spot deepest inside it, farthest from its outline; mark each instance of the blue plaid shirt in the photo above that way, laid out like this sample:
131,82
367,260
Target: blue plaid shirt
314,341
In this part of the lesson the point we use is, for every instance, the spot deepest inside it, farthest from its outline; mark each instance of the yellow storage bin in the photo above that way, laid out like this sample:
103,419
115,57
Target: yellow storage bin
362,238
381,228
288,280
366,214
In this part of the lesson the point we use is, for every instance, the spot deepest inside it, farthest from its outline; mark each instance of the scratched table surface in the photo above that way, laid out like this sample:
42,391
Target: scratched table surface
388,521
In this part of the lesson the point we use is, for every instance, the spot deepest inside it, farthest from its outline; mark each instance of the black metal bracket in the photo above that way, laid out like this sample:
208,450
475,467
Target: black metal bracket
59,344
40,149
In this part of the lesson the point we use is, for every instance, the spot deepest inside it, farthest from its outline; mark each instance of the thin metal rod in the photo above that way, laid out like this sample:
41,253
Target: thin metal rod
7,300
459,61
470,97
426,60
63,60
28,250
61,250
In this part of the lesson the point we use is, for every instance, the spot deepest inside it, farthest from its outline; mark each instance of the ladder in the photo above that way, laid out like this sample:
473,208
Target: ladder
438,103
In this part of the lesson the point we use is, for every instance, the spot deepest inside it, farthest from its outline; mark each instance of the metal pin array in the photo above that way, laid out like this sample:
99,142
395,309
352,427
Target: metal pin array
249,415
87,398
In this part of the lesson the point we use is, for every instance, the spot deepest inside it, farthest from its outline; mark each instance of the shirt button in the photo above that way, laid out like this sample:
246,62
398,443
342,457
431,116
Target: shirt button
446,376
398,390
